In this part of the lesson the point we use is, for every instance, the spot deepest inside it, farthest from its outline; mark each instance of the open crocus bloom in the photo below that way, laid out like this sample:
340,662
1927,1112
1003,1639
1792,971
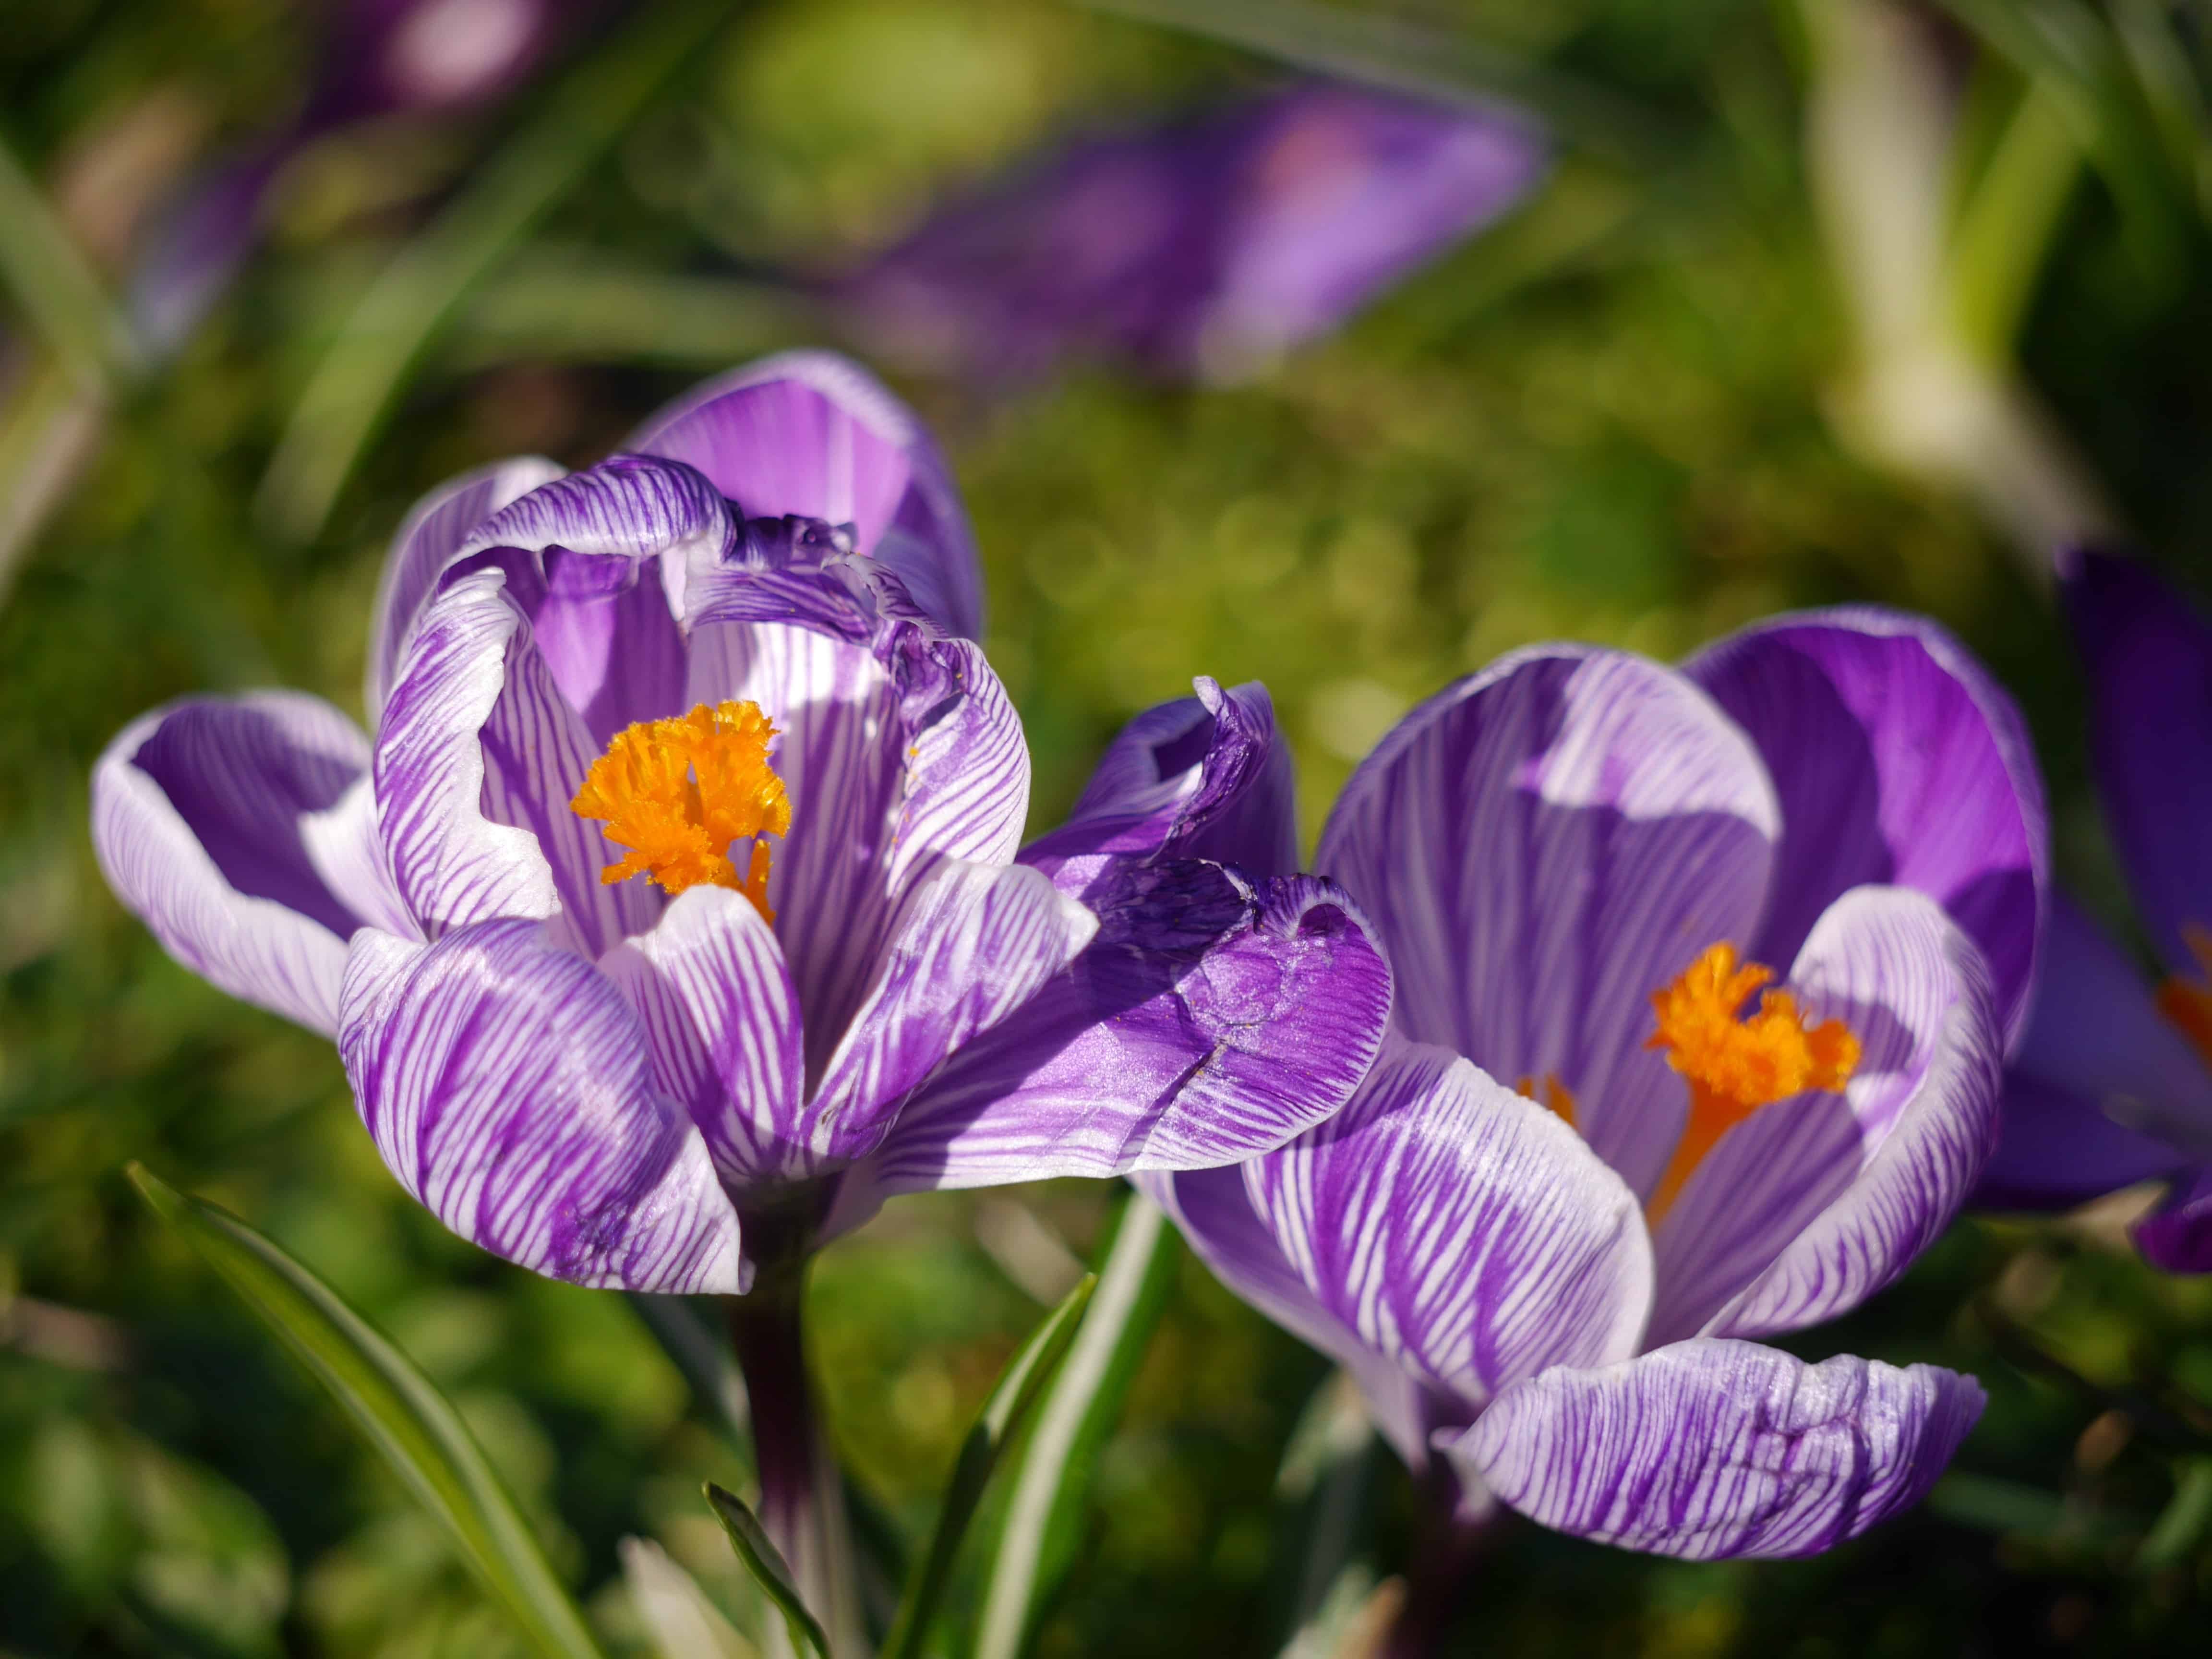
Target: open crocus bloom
677,878
1704,977
2114,1083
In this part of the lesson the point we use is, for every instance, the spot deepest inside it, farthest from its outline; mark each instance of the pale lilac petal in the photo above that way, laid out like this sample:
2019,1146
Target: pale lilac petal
429,541
1462,1231
1205,777
2149,656
1216,1217
967,760
2177,1237
812,435
1541,846
722,1025
1209,1020
477,760
1812,1205
971,945
230,826
1899,762
506,1082
1712,1448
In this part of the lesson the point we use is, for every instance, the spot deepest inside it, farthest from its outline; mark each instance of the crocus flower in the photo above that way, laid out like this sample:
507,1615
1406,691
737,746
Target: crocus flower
1208,246
2114,1083
677,878
1704,982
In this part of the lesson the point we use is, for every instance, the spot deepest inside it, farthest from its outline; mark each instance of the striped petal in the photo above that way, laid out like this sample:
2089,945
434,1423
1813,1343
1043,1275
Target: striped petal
234,828
1812,1205
1541,846
429,541
1205,777
1208,1020
477,760
1215,1215
722,1026
2149,656
1711,1448
1463,1232
972,943
811,435
1898,760
506,1082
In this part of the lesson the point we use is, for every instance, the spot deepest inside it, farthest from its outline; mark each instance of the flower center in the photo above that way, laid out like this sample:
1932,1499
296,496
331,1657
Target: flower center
2187,1003
1736,1063
677,792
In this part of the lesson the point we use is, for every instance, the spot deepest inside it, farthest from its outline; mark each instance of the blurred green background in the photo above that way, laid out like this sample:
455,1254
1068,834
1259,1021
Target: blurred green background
1614,418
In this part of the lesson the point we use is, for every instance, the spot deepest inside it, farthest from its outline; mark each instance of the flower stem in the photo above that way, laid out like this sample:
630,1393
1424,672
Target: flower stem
802,1501
1445,1549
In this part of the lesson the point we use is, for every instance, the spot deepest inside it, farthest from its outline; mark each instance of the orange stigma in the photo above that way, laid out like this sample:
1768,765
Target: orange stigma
1735,1064
2187,1003
677,792
1556,1095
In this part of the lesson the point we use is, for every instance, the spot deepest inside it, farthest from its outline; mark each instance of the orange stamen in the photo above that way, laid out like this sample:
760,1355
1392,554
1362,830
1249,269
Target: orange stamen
2187,1003
677,792
1556,1095
1736,1064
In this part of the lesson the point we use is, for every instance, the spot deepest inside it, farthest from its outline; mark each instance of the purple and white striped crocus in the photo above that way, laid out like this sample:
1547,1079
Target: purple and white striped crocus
1599,1155
677,880
2113,1085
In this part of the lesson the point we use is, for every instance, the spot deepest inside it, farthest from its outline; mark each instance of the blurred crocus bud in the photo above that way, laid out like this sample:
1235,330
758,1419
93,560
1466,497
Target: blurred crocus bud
377,58
1205,248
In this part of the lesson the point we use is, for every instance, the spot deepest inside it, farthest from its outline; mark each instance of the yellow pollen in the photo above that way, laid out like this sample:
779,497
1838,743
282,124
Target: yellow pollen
2187,1003
677,792
1556,1095
1735,1064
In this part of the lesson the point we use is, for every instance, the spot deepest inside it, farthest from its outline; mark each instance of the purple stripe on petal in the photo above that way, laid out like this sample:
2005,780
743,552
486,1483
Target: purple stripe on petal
1912,988
971,945
1209,1020
721,1022
1464,1232
1712,1448
228,826
1216,1218
430,540
811,433
1541,846
1899,761
2148,654
505,1081
967,760
2177,1237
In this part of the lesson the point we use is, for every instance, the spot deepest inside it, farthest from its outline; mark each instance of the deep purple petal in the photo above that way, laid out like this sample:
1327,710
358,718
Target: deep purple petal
1216,1216
1208,1020
2056,1150
1464,1232
2178,1235
811,433
506,1082
722,1025
972,942
2147,654
1814,1204
1205,777
432,538
1898,760
1711,1448
1544,845
234,828
477,761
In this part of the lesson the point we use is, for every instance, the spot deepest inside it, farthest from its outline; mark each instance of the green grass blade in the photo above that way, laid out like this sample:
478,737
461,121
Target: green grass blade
353,388
1020,1386
1043,1527
51,279
395,1406
769,1568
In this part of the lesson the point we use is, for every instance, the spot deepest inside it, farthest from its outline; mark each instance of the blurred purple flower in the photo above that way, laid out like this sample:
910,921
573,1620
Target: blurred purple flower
1555,1286
2114,1083
376,58
606,1080
1207,247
